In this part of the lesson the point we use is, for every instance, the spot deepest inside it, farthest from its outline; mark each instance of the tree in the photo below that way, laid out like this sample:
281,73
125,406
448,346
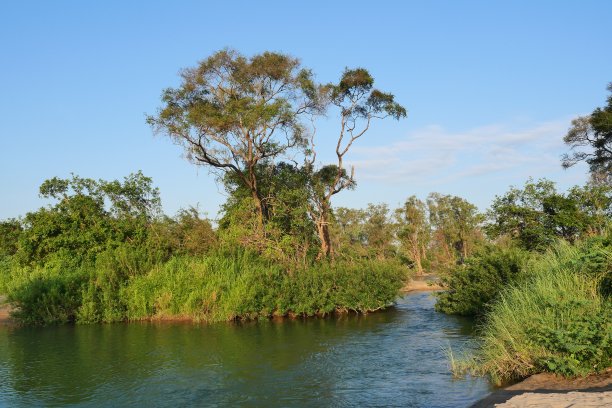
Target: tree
520,215
88,217
594,205
538,214
10,230
348,233
364,233
456,225
231,112
188,232
359,103
413,231
593,132
289,231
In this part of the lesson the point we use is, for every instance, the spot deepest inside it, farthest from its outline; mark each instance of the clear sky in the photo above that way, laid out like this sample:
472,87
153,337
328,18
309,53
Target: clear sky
490,87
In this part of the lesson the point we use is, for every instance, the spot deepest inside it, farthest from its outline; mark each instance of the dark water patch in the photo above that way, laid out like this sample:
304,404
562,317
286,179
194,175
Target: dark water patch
393,358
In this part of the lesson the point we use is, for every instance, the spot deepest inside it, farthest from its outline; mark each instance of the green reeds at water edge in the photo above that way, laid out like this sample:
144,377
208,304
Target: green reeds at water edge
557,319
215,287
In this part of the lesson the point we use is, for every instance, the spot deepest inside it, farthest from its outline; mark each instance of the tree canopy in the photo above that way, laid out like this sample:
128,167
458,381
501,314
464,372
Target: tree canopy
536,215
590,140
232,112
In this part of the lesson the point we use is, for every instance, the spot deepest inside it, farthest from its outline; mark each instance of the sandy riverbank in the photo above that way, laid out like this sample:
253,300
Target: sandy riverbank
422,283
549,390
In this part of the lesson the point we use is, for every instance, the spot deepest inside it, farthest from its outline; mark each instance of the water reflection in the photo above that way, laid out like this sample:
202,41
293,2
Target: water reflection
394,358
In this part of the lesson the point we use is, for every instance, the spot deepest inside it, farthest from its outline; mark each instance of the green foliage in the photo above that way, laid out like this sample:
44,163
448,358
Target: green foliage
10,230
356,96
577,347
187,233
288,234
46,296
6,267
475,284
413,232
114,269
367,233
89,216
537,215
456,230
243,286
557,319
126,284
593,132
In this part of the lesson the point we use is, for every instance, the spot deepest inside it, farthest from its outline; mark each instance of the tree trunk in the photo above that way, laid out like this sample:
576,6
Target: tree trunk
323,230
417,261
416,254
259,208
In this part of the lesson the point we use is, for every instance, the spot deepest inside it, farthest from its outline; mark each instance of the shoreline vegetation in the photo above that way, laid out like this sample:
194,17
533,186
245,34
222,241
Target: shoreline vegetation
553,314
211,288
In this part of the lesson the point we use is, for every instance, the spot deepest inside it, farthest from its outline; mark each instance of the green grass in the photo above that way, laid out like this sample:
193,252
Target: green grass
555,320
220,288
126,284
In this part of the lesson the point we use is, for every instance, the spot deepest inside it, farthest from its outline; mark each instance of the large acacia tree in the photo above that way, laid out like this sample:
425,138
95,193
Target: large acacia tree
231,113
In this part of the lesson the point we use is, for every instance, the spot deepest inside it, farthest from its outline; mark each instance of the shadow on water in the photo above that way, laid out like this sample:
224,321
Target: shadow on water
391,358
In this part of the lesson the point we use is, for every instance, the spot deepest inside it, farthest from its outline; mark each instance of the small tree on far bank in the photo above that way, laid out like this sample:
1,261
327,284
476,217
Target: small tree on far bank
413,231
456,228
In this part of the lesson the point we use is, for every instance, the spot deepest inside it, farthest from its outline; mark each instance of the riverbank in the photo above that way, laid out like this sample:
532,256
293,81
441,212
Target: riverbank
553,391
5,311
423,283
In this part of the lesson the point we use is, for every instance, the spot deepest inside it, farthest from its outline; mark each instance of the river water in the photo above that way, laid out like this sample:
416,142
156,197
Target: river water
390,358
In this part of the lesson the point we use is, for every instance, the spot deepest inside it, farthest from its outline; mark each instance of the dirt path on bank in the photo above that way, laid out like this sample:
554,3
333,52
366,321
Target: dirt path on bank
549,390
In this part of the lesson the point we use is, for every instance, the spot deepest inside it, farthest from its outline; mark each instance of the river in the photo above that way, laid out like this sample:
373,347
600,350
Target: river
390,358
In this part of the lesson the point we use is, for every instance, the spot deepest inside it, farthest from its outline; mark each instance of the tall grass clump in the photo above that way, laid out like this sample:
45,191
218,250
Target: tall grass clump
129,283
558,319
219,287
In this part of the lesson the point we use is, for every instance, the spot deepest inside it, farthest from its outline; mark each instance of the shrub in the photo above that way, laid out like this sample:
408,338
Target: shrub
556,320
49,299
473,285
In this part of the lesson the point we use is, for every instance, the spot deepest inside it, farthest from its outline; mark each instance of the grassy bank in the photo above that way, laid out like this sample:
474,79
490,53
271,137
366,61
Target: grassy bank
122,286
557,318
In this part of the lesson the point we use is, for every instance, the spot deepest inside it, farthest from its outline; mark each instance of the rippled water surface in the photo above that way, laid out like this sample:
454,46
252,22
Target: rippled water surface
392,358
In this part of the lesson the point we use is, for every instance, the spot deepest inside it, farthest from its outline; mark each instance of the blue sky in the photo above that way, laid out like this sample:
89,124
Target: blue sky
490,87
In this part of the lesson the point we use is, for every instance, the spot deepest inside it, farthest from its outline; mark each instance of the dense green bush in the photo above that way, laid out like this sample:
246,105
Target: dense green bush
44,295
473,285
557,319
